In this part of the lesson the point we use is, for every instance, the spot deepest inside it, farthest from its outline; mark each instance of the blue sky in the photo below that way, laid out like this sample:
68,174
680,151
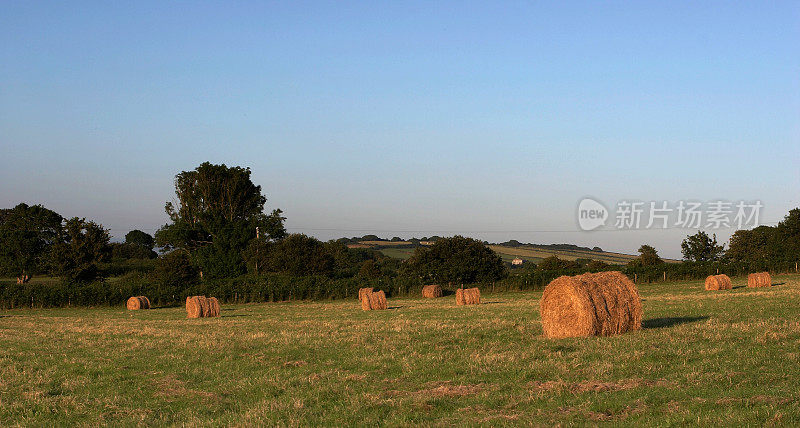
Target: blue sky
404,118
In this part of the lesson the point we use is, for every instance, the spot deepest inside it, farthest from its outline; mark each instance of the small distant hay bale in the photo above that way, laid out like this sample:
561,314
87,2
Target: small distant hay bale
432,291
592,304
362,291
468,296
762,279
137,302
718,282
202,307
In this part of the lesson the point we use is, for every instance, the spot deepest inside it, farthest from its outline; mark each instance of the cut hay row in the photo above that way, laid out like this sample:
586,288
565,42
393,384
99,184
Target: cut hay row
762,279
137,302
373,300
202,307
592,304
718,282
432,291
469,296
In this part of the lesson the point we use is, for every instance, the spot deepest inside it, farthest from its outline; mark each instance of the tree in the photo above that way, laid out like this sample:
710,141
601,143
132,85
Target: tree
81,246
299,254
175,270
142,239
456,260
648,256
26,235
217,213
553,263
701,248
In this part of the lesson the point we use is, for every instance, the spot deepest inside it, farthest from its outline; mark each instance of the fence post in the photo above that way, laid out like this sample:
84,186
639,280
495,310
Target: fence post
634,278
665,276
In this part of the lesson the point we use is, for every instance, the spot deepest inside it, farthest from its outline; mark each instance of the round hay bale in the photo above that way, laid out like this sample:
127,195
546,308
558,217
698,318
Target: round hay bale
363,291
194,308
472,296
133,304
460,299
592,304
377,300
145,302
432,291
718,282
762,279
213,305
365,301
206,305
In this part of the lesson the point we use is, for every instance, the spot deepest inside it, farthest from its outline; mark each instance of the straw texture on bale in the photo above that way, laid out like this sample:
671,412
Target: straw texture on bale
468,296
137,302
763,279
718,282
362,291
377,300
202,307
373,300
592,304
432,291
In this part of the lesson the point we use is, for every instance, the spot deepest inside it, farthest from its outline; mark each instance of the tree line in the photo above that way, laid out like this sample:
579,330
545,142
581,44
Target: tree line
221,236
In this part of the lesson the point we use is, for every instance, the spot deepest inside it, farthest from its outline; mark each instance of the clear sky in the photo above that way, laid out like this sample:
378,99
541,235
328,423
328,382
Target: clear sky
404,118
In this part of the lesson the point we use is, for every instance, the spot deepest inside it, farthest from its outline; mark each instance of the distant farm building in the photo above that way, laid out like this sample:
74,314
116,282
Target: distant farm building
517,261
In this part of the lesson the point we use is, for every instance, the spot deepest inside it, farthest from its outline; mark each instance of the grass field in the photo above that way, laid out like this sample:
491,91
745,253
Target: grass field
727,358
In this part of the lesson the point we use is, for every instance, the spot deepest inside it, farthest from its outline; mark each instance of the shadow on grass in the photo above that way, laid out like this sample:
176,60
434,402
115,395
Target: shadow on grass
391,308
737,287
670,322
492,302
235,315
778,283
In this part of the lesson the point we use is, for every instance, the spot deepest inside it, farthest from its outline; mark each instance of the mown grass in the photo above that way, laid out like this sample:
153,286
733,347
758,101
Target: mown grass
704,358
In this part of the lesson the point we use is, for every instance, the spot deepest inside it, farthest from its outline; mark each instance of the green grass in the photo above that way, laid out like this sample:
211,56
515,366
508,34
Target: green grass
729,358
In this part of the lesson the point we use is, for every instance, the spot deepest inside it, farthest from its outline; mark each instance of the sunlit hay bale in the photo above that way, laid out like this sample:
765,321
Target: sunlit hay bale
137,302
432,291
194,306
377,300
213,306
362,291
718,282
762,279
366,304
460,300
472,296
592,304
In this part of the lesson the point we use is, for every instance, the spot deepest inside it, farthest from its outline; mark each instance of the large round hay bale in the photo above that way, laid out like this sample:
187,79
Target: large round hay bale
460,300
363,291
432,291
718,282
762,279
137,302
194,306
377,300
472,296
365,301
592,304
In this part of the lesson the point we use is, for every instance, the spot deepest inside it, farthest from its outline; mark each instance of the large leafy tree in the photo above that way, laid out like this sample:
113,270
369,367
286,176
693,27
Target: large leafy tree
456,260
218,212
26,234
81,246
648,256
701,248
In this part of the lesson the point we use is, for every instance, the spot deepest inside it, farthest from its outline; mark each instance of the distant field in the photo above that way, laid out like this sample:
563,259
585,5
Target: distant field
531,254
726,358
398,253
534,254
